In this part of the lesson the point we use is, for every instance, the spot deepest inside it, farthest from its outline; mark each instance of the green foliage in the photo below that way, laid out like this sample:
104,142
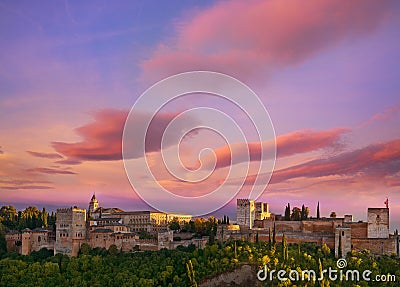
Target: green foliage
185,266
287,212
174,224
190,274
326,250
30,218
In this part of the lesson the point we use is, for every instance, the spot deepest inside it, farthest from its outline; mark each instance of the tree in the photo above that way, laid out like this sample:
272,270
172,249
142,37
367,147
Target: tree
190,274
113,250
227,220
340,246
304,212
174,224
85,249
285,251
296,214
287,212
45,216
274,235
318,215
326,250
200,226
257,237
8,216
269,238
333,214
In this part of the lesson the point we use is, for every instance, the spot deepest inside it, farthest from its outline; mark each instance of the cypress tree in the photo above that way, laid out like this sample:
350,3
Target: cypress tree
303,212
45,216
318,215
287,212
269,238
285,251
190,274
274,235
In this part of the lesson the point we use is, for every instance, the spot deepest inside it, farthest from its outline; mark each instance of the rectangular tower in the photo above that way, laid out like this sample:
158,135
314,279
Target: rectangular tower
70,230
245,212
378,222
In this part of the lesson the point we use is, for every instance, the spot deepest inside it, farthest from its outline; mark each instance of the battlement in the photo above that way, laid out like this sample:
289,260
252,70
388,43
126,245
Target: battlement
243,201
71,209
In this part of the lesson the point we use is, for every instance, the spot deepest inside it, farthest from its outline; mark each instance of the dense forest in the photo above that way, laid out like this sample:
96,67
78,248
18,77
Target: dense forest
182,267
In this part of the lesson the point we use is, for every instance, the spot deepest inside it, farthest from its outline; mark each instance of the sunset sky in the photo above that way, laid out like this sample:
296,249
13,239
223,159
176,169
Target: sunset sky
326,71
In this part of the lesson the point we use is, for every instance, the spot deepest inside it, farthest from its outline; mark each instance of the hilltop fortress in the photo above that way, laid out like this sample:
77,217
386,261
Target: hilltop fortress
101,227
255,220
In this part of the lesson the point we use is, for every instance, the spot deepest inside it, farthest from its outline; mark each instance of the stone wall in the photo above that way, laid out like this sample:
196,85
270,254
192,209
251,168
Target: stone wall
377,246
358,229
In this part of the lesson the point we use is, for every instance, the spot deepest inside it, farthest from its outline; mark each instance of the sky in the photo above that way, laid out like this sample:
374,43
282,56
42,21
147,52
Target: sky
326,72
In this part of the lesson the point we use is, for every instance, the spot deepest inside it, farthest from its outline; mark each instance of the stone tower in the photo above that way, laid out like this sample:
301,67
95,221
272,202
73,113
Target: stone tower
342,240
245,212
93,204
378,222
70,230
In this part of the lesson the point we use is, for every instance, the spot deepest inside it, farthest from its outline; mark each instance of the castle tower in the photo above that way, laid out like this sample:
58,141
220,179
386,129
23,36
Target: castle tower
378,222
245,212
342,240
70,230
93,204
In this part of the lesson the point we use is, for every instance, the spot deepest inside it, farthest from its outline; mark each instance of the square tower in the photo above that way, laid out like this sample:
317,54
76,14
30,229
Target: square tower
342,240
245,212
70,230
378,222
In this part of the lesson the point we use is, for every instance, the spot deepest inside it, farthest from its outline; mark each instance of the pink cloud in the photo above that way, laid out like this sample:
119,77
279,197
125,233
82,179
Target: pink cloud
374,161
102,139
50,170
44,155
16,184
383,116
69,161
289,144
248,37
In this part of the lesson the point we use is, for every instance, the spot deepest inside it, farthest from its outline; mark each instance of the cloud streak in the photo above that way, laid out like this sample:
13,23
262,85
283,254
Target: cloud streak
289,144
44,155
375,161
24,184
50,170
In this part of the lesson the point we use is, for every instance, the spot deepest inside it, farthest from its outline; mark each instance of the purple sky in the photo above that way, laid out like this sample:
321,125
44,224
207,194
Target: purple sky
326,71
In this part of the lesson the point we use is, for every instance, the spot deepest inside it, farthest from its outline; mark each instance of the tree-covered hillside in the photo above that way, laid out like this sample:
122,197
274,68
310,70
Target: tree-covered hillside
182,267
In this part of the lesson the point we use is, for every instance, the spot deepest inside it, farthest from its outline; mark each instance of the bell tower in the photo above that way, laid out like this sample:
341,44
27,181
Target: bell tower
93,204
